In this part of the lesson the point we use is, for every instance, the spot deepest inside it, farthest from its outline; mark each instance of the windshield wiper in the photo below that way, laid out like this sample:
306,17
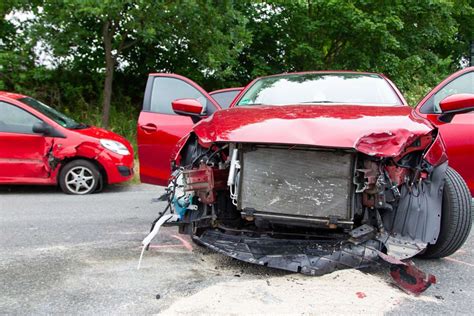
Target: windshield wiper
318,101
80,126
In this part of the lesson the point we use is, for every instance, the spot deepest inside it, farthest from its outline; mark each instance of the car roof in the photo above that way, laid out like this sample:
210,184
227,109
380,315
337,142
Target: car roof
227,90
324,72
11,95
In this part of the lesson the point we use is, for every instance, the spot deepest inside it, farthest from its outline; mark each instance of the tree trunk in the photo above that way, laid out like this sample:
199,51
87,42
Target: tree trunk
107,36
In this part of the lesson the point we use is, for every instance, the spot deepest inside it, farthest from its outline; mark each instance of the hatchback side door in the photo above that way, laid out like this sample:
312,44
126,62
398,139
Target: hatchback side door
159,128
458,135
22,152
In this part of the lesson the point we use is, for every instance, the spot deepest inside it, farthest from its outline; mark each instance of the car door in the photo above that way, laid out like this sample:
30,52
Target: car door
159,128
458,135
22,152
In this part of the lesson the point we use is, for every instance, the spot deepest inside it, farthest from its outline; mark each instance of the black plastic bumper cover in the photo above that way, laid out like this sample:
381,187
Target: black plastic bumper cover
311,257
124,171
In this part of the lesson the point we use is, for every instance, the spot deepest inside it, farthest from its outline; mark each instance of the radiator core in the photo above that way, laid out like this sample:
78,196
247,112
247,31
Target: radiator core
295,182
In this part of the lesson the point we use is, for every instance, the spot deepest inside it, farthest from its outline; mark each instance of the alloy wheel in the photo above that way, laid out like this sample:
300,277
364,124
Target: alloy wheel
80,180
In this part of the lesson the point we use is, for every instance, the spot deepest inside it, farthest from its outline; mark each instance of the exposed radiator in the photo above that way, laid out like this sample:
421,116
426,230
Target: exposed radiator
294,182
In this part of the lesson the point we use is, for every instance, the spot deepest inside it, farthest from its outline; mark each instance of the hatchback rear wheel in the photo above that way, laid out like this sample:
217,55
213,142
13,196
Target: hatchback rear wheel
79,177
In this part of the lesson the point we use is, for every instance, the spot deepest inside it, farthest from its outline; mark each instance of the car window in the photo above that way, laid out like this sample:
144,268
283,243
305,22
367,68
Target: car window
316,88
462,84
16,120
225,98
166,90
54,115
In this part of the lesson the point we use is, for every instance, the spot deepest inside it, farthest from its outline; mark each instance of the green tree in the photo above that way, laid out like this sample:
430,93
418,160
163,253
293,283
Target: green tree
164,35
414,42
15,47
95,33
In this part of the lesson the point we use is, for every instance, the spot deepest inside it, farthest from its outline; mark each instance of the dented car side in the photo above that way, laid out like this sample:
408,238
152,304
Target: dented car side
39,145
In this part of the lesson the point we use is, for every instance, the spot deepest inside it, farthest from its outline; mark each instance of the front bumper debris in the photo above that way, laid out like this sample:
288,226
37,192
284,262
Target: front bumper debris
309,257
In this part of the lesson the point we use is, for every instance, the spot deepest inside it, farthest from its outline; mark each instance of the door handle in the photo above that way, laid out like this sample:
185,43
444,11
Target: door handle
149,128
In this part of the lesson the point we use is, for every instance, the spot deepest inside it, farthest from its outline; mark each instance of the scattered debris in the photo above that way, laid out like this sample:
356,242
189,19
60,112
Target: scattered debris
411,279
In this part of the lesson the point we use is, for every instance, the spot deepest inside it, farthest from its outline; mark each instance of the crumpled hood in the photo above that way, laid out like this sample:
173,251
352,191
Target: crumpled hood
373,130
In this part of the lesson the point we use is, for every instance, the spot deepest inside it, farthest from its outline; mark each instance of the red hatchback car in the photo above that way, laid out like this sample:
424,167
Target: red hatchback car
314,171
39,145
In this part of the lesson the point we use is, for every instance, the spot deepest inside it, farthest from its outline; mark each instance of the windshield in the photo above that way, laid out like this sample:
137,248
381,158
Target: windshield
56,116
328,88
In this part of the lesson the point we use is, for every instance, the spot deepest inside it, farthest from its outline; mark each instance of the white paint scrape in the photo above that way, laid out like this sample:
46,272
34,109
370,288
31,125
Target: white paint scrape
345,292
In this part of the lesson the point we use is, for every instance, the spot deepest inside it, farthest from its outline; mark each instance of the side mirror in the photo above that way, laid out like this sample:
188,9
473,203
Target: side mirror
42,128
456,104
189,107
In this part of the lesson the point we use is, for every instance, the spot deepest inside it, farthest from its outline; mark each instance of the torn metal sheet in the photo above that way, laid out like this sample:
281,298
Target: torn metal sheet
389,143
309,257
411,279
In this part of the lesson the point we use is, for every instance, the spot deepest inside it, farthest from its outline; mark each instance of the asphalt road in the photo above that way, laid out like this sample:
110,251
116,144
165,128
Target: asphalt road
79,255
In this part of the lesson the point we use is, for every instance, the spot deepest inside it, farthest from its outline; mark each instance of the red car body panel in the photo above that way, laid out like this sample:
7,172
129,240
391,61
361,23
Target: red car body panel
458,135
152,144
25,158
374,130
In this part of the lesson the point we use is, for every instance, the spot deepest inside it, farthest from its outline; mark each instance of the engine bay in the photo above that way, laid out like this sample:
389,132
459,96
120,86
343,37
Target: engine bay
305,209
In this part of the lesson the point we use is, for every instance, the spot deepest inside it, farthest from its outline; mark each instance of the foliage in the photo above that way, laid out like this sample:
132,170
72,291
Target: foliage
59,54
416,43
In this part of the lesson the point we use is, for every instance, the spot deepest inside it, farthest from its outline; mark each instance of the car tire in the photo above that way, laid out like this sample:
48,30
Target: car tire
79,177
455,218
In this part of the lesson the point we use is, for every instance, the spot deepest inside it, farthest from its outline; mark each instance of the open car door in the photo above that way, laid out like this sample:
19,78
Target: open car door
458,135
159,128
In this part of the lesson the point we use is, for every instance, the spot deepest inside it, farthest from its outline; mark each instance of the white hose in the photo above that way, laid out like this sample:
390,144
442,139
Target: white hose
154,232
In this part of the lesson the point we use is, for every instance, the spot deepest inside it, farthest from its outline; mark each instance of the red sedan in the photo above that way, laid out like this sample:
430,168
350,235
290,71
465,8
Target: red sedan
313,172
39,145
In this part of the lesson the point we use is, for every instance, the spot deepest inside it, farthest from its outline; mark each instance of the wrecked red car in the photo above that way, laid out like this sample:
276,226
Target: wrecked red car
39,145
307,172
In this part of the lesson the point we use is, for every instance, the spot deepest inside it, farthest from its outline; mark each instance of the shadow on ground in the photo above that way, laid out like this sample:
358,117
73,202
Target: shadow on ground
39,189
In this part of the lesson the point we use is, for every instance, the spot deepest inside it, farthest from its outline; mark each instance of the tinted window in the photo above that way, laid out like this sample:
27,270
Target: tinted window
16,120
327,88
165,90
462,84
225,98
